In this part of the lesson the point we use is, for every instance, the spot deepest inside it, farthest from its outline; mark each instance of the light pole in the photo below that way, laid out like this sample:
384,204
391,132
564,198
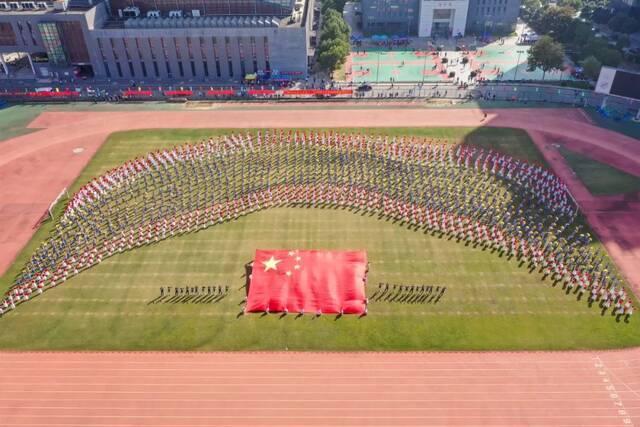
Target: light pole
515,75
424,64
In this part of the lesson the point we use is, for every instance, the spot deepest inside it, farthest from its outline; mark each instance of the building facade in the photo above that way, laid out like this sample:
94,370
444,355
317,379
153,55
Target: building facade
492,16
155,39
439,18
390,16
442,18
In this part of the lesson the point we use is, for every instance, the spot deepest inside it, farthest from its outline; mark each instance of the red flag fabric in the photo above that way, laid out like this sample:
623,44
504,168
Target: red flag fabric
311,281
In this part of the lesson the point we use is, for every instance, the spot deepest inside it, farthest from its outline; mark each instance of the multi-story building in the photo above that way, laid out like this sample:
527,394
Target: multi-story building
437,18
157,39
492,16
390,16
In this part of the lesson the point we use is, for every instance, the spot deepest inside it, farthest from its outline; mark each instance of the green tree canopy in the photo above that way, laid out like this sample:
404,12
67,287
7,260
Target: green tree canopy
623,23
573,4
546,54
554,20
332,54
610,57
591,67
334,41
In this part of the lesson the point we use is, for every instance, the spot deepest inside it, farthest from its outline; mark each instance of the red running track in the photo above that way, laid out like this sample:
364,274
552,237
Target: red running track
320,389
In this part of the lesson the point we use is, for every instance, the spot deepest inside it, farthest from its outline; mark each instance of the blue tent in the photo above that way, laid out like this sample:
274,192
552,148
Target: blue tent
379,38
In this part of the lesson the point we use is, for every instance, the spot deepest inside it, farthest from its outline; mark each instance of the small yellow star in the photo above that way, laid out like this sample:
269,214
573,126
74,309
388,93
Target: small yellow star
271,263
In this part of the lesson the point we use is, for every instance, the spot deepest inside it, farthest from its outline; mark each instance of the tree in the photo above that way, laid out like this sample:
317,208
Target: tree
581,33
591,67
334,41
332,54
545,54
333,4
529,9
576,5
590,6
334,26
554,20
610,57
601,15
622,23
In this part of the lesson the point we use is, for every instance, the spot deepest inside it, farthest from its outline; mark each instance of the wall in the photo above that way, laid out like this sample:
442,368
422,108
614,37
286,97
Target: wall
390,16
209,49
492,16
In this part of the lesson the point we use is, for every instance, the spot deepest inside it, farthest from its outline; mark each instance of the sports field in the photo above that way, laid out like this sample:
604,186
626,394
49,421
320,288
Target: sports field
490,302
401,66
601,179
380,65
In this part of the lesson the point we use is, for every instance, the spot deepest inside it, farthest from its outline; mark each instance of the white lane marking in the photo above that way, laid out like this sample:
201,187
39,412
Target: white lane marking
614,395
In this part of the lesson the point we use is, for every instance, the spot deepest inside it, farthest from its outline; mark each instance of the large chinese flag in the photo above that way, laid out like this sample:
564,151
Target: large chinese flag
313,281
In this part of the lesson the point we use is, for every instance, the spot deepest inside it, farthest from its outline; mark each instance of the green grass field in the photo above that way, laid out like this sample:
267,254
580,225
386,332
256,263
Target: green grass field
600,178
491,302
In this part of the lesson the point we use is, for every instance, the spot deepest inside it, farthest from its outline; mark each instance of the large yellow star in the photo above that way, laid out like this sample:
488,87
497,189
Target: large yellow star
271,263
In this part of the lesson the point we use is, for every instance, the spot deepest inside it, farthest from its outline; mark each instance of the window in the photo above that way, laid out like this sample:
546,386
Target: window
138,49
266,51
144,69
52,43
193,68
255,66
190,48
218,73
169,74
100,48
33,39
230,68
133,73
206,68
253,53
175,44
180,69
153,54
113,50
442,14
126,49
106,69
155,69
20,28
164,50
119,69
7,35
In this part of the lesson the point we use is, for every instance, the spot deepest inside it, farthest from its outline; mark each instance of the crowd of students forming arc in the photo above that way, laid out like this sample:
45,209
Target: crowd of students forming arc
475,194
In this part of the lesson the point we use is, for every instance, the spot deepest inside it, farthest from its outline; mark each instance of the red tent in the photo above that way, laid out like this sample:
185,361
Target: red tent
310,281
